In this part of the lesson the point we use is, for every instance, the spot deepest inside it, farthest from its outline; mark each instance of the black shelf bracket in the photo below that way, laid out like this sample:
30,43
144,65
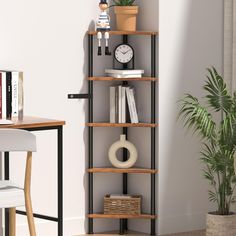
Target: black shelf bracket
79,96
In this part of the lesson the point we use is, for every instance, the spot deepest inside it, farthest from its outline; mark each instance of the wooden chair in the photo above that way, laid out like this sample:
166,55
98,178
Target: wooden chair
12,196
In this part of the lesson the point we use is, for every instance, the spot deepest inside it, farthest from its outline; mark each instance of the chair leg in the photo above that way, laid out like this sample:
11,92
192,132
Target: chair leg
30,217
12,214
28,203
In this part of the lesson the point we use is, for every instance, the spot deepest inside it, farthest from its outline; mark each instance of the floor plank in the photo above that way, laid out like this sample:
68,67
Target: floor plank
195,233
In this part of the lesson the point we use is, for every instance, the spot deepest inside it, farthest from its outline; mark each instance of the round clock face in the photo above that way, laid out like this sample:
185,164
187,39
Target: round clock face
124,53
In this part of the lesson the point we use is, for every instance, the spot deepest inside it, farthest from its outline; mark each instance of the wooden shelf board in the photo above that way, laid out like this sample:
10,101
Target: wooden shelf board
115,233
121,79
109,216
145,125
117,170
127,33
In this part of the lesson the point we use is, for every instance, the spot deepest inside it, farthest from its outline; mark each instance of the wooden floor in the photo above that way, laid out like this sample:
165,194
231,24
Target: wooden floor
195,233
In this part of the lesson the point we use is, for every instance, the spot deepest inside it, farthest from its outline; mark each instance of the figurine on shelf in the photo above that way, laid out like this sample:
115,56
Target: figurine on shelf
103,27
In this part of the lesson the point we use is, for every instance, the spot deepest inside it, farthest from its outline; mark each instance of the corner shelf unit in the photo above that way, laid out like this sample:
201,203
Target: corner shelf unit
91,124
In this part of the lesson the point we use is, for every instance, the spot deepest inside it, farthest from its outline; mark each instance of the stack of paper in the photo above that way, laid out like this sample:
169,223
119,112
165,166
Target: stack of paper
124,73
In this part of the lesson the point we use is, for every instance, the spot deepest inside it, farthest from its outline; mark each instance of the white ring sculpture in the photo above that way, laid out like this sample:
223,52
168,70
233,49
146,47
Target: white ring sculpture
123,143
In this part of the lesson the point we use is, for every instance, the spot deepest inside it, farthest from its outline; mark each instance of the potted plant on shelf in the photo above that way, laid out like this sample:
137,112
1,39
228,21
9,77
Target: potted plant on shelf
218,148
126,14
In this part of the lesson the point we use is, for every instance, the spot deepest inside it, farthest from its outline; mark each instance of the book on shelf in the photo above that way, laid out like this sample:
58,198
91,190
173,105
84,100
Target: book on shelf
112,104
11,94
123,105
133,105
124,73
122,102
124,76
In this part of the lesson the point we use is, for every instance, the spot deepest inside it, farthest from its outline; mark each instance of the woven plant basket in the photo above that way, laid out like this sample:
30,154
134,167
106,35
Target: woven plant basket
123,206
218,225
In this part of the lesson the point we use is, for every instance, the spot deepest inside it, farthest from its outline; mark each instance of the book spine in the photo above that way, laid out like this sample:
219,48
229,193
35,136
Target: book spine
116,104
15,96
112,105
20,96
134,108
9,94
129,105
0,95
123,105
120,103
4,95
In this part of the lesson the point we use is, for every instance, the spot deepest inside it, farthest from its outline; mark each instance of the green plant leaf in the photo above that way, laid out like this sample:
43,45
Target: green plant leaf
212,196
219,146
123,2
218,96
195,116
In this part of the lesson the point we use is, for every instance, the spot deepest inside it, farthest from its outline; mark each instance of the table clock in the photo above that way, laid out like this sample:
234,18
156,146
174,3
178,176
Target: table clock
124,55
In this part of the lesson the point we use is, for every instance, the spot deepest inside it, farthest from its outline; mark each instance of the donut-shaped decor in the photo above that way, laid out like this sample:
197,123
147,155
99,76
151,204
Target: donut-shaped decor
123,143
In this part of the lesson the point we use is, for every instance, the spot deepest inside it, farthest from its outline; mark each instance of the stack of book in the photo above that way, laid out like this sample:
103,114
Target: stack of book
120,96
124,73
11,94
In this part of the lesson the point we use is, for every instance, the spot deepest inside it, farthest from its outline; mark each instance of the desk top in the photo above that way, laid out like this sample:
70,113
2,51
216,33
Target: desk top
29,122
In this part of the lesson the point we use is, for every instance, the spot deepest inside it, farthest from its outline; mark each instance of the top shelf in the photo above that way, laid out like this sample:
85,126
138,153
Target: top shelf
126,33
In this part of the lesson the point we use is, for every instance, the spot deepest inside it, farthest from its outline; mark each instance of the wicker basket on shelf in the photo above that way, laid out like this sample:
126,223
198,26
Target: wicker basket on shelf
123,204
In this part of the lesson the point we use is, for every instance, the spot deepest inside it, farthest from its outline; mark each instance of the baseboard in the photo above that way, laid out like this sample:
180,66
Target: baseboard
72,226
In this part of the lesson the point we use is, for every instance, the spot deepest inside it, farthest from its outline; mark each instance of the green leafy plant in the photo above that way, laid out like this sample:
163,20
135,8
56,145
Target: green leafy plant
123,2
218,137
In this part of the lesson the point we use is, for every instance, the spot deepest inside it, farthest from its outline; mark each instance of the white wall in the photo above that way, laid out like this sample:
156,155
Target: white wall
46,40
191,35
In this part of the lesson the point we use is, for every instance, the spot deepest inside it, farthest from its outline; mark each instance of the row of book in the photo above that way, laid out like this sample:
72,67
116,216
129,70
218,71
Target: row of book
122,103
11,94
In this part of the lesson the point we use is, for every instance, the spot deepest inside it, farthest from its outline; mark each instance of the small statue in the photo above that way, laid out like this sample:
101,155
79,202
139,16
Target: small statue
103,26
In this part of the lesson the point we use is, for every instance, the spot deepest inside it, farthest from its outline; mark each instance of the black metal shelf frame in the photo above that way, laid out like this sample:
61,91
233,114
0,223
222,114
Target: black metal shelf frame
123,222
89,96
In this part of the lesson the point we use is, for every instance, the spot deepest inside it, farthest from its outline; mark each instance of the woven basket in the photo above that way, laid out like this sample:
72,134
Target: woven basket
124,206
218,225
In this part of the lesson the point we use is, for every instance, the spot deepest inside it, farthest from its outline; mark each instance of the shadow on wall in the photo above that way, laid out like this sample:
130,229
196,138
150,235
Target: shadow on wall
102,137
84,89
190,41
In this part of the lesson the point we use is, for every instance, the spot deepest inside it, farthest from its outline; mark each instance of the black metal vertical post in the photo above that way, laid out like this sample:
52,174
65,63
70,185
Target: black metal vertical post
60,179
125,131
124,222
6,177
90,135
153,133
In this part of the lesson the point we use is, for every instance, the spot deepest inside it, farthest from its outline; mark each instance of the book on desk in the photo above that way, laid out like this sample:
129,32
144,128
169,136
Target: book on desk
11,94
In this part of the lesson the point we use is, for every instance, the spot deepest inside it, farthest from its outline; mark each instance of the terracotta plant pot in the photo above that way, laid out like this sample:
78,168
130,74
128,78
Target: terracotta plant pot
126,17
219,225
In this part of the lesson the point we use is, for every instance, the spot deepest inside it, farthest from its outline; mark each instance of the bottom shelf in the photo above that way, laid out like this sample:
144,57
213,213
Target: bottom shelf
115,233
132,233
107,216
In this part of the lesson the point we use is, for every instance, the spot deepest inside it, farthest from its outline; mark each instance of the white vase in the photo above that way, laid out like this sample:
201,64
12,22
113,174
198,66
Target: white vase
123,143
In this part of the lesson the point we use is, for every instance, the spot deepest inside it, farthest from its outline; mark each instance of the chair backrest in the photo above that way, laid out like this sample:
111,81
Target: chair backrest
17,140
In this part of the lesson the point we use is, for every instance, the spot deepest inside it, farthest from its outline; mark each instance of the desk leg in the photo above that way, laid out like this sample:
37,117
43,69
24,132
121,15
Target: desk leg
60,179
6,176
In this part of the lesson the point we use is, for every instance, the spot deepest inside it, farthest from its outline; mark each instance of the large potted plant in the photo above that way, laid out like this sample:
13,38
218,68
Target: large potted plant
126,14
215,122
